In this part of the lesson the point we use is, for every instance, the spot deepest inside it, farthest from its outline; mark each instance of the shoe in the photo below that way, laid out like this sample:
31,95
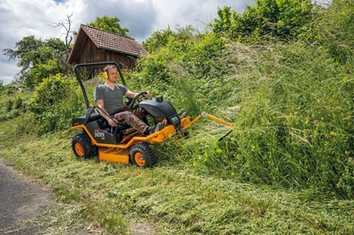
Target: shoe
159,126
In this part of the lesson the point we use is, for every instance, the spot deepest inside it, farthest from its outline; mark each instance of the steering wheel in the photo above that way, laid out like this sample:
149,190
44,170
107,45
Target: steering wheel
132,103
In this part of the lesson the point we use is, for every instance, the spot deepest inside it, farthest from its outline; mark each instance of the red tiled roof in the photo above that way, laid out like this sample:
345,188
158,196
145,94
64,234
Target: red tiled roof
113,42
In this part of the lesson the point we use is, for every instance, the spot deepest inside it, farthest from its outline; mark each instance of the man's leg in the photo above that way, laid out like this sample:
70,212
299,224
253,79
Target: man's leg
129,118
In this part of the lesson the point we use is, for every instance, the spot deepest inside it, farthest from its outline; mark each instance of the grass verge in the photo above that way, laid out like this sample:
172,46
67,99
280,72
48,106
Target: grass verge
170,197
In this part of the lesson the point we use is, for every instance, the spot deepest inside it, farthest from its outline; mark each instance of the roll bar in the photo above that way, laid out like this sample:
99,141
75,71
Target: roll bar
77,74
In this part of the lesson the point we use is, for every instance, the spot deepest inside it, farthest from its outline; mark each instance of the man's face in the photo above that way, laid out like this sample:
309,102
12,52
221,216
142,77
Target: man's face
112,75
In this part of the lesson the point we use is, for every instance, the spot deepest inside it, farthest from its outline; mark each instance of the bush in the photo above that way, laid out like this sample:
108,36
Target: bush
158,39
55,101
204,58
283,20
41,71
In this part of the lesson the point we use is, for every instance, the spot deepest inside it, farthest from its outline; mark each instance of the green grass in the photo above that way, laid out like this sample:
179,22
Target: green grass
172,197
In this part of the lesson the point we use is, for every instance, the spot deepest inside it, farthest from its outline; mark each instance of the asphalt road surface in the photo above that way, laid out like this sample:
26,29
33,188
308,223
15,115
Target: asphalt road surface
20,201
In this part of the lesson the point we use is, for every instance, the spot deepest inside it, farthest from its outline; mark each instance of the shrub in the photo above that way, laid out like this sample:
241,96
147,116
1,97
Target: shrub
41,71
283,20
186,71
55,101
158,39
204,58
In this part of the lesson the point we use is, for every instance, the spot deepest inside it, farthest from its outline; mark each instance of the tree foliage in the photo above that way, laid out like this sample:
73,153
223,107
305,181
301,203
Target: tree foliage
37,58
158,39
109,24
283,19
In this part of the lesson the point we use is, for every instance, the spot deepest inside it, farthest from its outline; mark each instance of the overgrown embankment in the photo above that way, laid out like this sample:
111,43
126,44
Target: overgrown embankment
295,122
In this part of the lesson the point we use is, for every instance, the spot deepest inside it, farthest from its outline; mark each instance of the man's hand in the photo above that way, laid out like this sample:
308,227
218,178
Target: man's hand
148,95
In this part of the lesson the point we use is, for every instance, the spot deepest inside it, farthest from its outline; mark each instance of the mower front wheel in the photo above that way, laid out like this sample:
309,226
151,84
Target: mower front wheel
82,147
142,155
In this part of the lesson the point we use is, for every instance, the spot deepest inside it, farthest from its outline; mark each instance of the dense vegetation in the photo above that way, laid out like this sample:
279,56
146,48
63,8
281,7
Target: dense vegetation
295,127
109,24
282,71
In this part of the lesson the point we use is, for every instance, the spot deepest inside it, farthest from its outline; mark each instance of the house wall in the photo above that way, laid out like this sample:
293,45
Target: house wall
89,53
127,61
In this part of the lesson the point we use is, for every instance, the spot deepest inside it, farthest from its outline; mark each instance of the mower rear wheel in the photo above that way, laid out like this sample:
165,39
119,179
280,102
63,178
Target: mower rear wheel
82,147
142,155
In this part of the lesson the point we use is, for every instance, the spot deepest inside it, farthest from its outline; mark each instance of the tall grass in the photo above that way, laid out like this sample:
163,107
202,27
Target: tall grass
295,127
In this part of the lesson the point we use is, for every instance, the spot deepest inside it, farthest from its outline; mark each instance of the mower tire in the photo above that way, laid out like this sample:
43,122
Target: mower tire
82,147
142,155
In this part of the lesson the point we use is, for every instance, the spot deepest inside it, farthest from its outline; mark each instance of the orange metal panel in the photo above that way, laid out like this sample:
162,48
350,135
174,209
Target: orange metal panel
113,155
155,138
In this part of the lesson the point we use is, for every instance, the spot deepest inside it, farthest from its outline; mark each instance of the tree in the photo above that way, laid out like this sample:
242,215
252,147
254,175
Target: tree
66,25
282,19
158,39
161,38
26,51
38,59
109,24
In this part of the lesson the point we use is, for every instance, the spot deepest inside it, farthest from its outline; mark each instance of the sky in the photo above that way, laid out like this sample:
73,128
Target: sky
20,18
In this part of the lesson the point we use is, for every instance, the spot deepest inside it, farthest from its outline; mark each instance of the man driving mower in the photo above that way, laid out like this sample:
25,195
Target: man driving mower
109,100
120,144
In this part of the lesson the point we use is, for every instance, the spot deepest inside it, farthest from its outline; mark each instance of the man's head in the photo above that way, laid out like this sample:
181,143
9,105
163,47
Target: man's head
112,73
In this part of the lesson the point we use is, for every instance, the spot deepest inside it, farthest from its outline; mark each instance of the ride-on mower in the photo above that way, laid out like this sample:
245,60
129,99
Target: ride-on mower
123,144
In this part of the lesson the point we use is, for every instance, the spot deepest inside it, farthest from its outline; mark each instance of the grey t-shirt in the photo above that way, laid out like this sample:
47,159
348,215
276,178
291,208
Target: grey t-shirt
113,99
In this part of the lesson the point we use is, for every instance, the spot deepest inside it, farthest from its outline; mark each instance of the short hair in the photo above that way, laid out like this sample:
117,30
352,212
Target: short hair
109,67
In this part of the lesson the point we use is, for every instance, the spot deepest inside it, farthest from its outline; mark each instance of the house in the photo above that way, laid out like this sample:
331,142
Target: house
94,45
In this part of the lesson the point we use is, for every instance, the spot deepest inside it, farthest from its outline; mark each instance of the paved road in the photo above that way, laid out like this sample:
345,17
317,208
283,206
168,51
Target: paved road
20,202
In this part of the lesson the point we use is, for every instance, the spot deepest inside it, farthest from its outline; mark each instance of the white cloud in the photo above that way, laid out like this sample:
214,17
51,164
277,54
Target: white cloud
8,71
23,18
198,13
19,18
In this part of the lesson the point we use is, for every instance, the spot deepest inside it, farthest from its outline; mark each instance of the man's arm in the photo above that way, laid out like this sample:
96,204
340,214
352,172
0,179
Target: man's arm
104,113
130,94
99,96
